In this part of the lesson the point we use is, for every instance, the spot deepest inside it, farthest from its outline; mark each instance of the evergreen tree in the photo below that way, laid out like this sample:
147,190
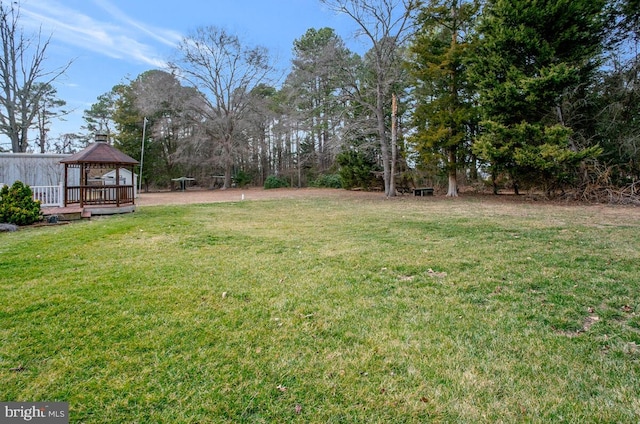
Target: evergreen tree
49,107
99,116
444,115
531,56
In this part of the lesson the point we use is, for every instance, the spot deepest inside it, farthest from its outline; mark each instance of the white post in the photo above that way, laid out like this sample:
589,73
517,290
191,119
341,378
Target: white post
144,129
60,194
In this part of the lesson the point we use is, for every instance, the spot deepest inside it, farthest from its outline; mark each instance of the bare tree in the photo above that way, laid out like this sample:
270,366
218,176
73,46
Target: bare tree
23,78
386,24
225,71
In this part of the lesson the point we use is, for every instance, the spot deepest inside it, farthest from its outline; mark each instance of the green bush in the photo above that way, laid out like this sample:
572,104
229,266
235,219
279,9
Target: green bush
355,169
273,181
242,179
328,181
17,205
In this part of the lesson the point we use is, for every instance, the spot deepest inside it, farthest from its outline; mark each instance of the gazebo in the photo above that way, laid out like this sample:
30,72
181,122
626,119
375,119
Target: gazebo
84,182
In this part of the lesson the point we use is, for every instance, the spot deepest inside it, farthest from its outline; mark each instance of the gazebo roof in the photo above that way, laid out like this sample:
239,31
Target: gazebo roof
100,153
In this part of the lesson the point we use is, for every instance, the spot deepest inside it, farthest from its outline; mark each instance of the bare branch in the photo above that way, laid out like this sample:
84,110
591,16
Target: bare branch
22,65
225,71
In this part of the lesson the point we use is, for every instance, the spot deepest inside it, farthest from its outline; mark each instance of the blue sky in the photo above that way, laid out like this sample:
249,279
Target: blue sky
112,40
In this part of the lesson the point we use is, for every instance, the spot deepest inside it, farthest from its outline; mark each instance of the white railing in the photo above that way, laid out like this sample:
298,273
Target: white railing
49,196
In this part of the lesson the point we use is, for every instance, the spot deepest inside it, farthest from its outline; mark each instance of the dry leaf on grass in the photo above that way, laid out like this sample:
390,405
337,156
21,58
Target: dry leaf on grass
436,274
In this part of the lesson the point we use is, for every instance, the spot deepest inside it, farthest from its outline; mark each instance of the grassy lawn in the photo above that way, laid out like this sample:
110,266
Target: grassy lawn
326,310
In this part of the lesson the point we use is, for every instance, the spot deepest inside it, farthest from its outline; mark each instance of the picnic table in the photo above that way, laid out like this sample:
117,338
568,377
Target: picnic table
183,182
423,191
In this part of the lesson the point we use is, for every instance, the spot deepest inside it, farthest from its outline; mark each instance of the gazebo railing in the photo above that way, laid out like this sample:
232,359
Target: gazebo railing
99,195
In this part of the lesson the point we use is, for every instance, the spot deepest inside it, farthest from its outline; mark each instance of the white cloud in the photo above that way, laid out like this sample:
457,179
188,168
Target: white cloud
164,36
124,38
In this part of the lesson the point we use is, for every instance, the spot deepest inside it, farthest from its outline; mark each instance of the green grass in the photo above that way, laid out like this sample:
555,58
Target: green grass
329,311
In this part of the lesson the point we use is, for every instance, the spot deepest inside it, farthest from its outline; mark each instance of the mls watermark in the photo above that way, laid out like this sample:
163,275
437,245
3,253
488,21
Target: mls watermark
34,412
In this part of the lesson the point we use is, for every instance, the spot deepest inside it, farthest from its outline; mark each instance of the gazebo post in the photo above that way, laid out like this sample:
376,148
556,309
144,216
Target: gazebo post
117,186
83,184
66,183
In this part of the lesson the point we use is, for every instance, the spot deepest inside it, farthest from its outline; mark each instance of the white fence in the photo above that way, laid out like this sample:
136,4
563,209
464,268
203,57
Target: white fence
49,196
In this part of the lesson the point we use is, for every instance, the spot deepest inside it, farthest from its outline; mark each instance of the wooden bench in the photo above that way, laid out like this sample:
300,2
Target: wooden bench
423,191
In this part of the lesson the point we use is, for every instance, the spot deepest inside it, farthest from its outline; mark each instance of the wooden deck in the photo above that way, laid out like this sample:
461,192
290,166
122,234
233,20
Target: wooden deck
73,213
69,213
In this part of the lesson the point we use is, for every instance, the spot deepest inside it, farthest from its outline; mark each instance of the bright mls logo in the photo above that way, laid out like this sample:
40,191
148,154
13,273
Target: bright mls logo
34,412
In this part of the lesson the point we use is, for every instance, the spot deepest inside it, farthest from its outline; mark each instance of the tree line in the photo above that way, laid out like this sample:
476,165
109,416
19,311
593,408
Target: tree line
519,95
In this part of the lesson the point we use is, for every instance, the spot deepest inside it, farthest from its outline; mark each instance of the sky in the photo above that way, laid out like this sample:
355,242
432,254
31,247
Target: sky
111,41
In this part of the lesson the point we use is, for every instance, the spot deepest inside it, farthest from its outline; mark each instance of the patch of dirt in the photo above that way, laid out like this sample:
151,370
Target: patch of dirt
586,326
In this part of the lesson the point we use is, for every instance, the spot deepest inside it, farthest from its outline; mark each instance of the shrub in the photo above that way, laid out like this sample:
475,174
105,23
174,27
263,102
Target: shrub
328,181
17,205
274,181
242,179
355,169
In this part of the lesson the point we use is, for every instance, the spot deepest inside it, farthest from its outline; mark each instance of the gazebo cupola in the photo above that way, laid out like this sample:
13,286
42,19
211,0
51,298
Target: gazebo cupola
84,176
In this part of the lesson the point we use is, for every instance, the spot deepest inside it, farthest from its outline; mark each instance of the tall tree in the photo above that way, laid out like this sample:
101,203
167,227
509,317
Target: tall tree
49,108
444,114
68,143
531,56
315,79
128,120
23,77
288,158
99,116
225,71
614,102
259,128
115,116
386,24
169,108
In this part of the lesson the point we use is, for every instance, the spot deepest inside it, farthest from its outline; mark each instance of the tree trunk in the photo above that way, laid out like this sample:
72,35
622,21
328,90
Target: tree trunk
494,183
474,168
453,163
453,169
386,162
228,162
264,156
24,136
394,142
389,184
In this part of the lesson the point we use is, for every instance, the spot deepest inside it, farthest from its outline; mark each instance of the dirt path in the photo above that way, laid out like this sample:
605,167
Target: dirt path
482,204
236,194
